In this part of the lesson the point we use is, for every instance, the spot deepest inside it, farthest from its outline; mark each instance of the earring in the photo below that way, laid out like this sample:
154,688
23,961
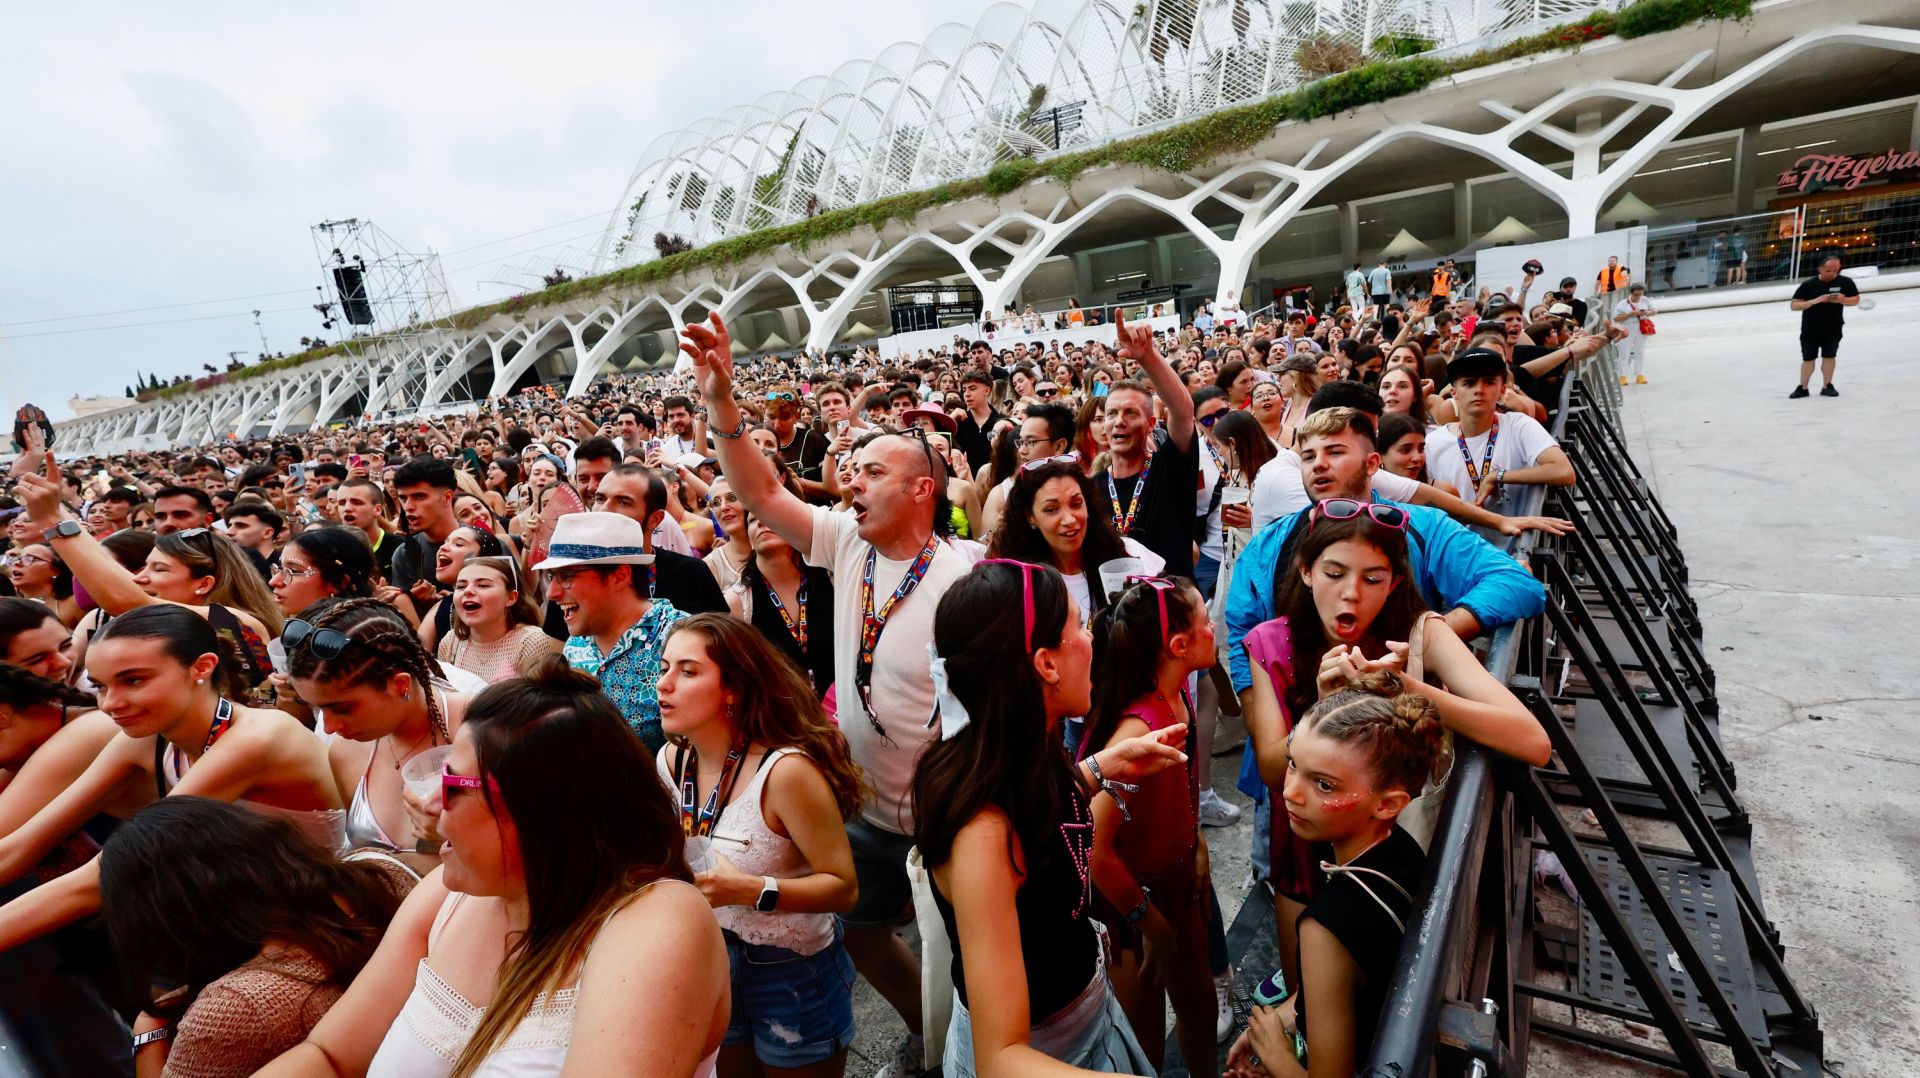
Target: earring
199,681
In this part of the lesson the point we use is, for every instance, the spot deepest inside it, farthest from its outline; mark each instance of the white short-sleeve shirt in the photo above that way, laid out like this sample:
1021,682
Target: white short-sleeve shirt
902,684
1280,489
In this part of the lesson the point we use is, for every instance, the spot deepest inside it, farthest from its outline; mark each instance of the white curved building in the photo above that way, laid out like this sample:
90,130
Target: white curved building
926,113
1698,124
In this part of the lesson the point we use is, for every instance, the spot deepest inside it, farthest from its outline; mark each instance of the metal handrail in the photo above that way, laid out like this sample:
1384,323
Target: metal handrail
1428,962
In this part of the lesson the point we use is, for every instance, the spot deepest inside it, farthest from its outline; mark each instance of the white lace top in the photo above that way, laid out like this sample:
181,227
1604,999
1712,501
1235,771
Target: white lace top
436,1022
741,834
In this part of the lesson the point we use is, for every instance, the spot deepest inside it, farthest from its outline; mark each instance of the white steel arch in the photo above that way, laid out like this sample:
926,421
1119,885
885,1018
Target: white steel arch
829,282
922,114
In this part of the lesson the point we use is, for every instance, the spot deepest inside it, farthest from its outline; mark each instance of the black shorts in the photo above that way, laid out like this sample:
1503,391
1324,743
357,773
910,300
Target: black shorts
880,867
1381,299
1827,347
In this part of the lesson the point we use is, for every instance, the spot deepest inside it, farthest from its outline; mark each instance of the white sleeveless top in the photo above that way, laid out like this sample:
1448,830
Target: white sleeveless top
436,1022
742,835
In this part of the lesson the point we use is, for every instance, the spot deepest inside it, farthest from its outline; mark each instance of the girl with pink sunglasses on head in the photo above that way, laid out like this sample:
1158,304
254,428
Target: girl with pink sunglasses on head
1349,609
1149,862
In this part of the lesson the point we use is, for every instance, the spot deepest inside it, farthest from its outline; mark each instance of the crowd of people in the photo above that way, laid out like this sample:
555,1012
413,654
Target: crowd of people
625,733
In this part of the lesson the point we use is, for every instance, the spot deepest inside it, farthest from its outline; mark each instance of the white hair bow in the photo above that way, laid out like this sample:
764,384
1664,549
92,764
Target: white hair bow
948,711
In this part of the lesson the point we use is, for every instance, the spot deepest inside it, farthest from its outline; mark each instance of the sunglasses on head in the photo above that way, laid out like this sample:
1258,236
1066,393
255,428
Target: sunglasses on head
780,395
921,435
451,783
1064,458
1027,570
1161,585
324,643
1387,516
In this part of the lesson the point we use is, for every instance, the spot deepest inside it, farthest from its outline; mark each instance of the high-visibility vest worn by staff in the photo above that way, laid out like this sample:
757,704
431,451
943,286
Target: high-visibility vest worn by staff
1442,283
1611,279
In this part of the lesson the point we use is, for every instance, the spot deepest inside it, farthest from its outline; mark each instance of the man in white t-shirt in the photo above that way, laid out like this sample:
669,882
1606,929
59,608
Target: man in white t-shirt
1489,453
1281,487
889,571
680,437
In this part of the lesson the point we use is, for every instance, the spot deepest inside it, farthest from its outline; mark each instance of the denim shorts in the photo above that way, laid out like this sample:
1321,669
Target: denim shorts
880,867
795,1010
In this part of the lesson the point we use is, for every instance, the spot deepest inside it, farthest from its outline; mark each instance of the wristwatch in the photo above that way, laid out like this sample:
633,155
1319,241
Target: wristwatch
141,1040
769,894
66,529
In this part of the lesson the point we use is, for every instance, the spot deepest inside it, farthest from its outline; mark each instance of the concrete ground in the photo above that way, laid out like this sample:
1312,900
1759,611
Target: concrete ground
1798,522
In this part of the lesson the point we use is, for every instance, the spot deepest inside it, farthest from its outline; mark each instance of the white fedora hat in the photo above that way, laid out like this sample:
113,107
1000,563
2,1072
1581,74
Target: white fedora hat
596,539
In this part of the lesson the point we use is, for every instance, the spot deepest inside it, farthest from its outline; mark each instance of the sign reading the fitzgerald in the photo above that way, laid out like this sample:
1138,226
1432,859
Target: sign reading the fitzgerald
1822,171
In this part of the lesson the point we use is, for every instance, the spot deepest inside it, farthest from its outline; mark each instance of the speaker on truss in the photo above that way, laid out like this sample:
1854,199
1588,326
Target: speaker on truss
351,285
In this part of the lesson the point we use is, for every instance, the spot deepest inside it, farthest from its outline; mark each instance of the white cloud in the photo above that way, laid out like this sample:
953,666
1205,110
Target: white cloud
165,154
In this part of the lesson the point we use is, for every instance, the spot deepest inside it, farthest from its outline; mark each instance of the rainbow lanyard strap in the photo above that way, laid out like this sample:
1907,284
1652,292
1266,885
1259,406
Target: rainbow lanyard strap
873,622
1486,464
796,623
1123,522
696,822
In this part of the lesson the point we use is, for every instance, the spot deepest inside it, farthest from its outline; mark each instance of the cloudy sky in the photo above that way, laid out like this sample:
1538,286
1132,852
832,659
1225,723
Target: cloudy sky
155,156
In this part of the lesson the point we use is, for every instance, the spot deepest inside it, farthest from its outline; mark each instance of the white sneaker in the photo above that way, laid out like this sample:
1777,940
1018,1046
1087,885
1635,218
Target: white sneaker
1216,811
1223,998
906,1061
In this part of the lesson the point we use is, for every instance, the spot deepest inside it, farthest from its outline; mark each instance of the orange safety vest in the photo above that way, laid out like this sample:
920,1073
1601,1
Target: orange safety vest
1442,282
1611,279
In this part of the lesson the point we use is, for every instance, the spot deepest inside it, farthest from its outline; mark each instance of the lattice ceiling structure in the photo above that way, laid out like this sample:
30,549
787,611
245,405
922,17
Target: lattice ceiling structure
948,108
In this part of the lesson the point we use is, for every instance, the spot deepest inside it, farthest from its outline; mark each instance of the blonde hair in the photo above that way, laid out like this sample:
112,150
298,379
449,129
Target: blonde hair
1331,421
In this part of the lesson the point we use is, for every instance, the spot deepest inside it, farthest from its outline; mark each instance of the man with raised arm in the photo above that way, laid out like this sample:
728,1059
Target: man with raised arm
889,569
1148,489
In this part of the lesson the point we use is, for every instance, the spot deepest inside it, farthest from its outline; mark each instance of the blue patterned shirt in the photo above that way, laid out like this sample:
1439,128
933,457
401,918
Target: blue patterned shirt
630,673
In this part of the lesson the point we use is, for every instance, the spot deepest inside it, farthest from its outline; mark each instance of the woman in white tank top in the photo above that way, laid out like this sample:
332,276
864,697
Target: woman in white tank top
561,935
765,786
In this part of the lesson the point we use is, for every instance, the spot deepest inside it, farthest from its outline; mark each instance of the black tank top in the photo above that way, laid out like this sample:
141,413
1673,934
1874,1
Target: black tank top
817,658
1056,934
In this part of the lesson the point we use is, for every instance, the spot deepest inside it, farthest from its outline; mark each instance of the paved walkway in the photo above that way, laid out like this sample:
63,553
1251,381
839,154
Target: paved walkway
1799,523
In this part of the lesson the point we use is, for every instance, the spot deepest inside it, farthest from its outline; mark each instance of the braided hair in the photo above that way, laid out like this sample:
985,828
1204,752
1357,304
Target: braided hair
382,644
21,688
1398,732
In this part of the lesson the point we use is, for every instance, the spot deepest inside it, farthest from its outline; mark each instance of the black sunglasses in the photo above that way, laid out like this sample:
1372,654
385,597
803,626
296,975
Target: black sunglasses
324,643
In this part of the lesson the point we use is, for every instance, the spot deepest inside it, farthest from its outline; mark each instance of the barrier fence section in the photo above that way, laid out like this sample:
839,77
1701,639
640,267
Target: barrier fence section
1439,956
1672,939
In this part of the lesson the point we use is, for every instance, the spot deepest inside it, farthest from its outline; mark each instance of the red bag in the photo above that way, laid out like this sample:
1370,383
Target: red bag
1646,327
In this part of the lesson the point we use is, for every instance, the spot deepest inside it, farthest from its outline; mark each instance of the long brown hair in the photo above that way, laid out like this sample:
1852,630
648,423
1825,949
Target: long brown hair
777,707
595,827
1308,638
521,611
236,583
182,856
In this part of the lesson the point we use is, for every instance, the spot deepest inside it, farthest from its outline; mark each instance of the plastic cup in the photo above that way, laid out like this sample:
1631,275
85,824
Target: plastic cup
1114,574
1235,495
277,655
421,775
700,853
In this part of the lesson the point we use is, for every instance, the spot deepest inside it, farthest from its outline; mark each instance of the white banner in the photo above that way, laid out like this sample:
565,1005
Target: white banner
926,340
1582,259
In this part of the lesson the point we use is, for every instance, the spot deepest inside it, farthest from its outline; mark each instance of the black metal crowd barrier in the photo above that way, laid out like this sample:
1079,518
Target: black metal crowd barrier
1672,939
